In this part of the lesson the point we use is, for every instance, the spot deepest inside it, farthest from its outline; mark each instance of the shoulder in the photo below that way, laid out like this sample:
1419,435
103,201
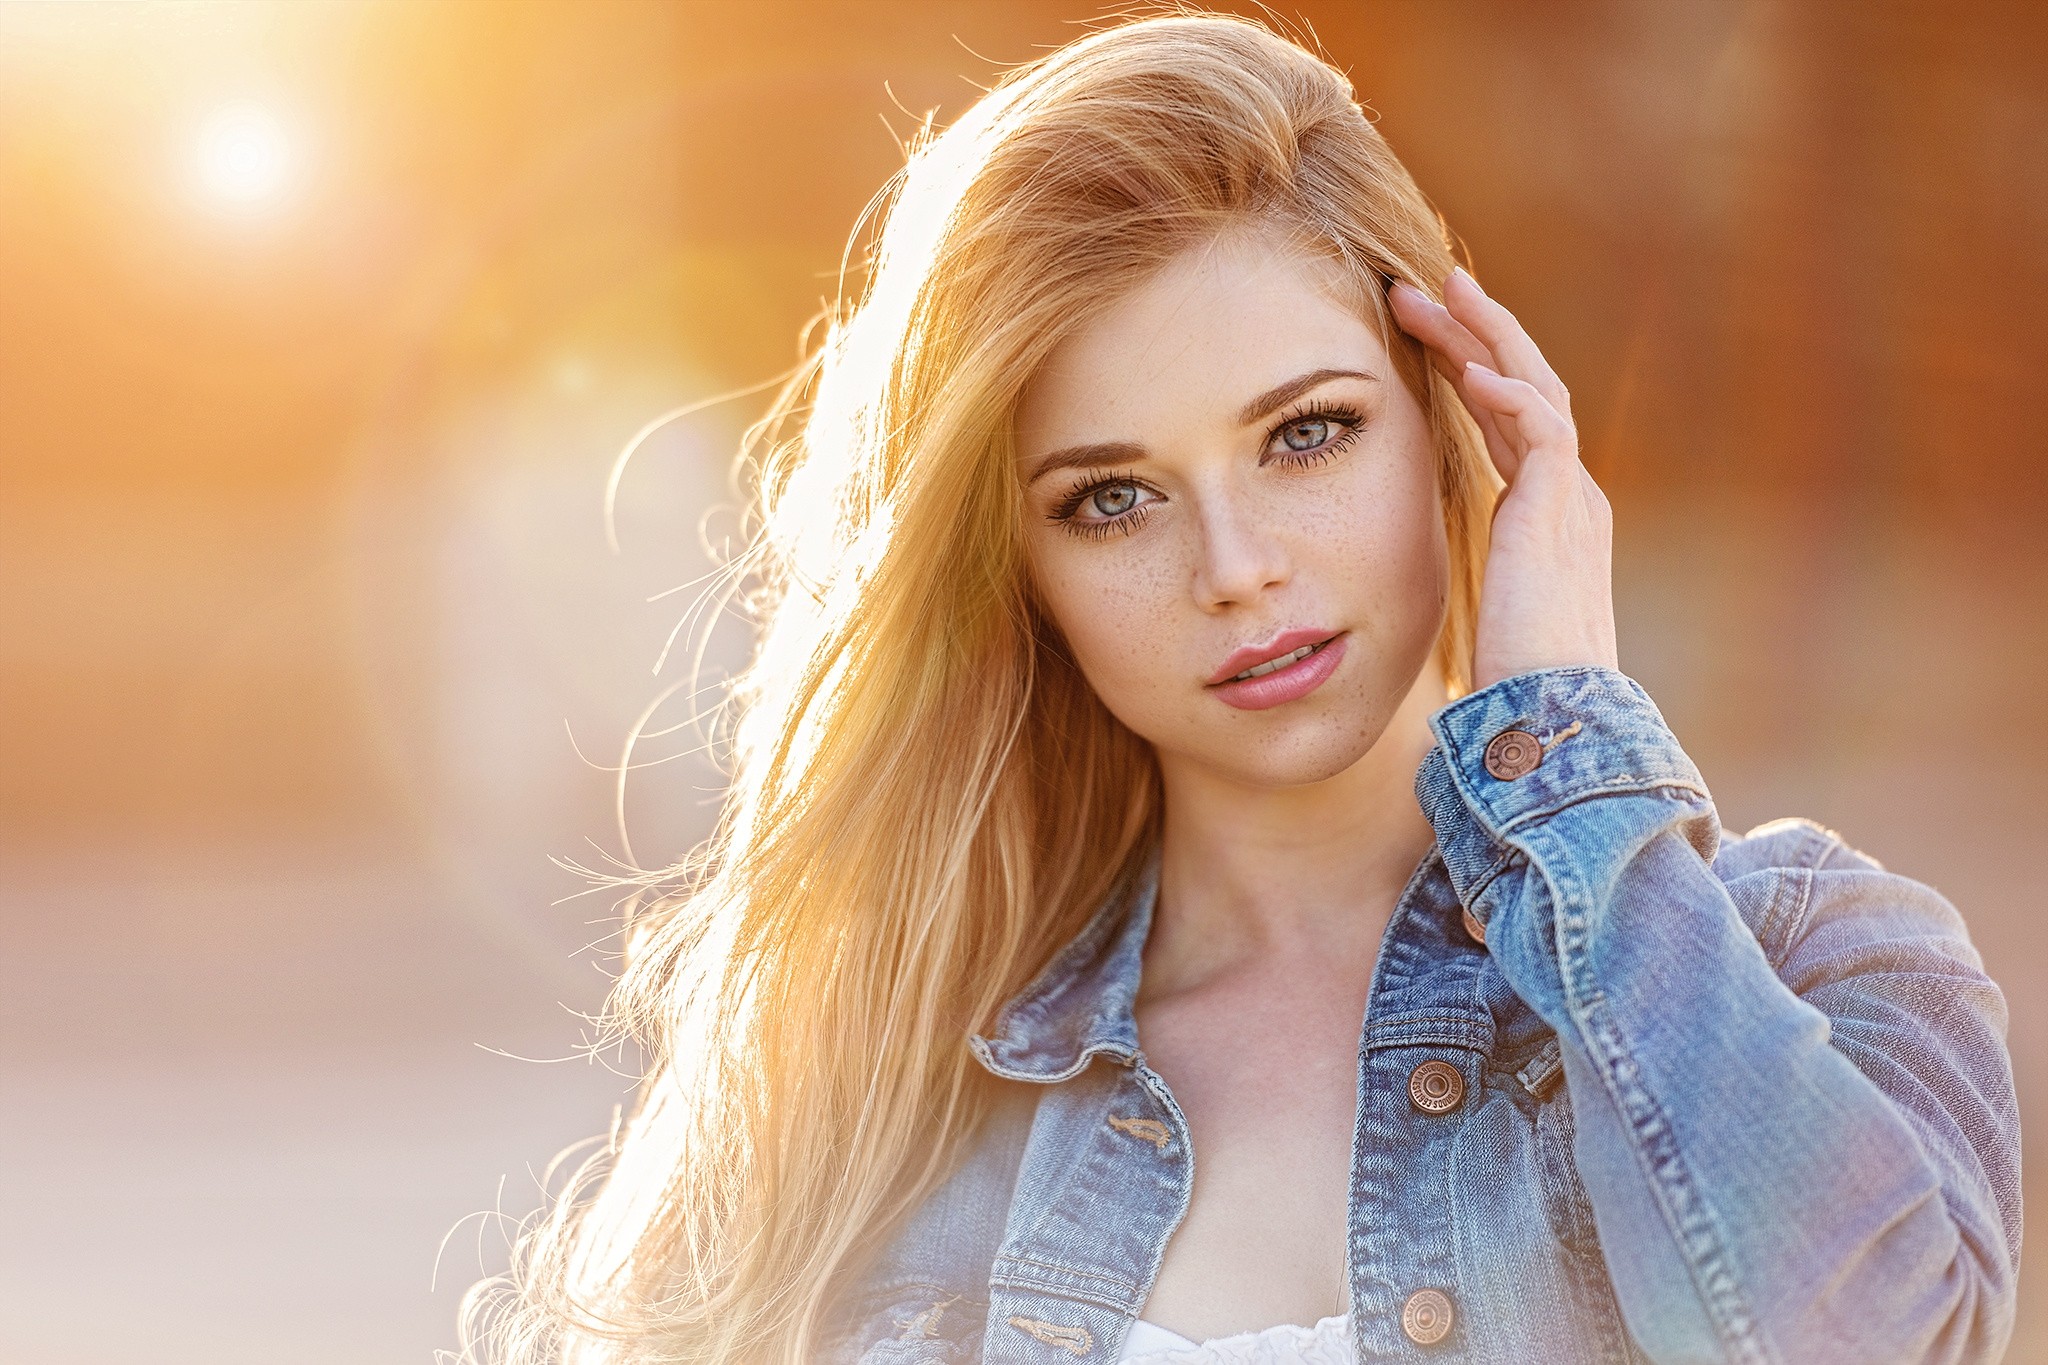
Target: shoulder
1823,908
1786,843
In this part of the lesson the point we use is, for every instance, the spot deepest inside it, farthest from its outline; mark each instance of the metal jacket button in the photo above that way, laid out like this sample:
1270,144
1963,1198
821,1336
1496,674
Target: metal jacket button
1436,1087
1473,926
1513,753
1426,1317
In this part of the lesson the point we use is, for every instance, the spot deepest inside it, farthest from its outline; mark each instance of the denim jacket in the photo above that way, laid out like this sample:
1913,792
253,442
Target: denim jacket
1630,1088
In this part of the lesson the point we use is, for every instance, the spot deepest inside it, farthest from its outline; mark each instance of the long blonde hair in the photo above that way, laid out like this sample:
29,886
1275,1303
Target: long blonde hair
926,797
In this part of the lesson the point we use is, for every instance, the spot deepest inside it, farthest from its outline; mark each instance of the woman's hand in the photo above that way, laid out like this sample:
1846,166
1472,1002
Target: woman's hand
1547,597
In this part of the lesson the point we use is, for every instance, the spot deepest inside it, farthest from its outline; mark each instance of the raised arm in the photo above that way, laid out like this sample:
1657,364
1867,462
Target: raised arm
1813,1160
1809,1160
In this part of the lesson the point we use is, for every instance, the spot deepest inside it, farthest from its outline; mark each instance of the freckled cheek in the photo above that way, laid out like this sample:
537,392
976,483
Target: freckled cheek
1370,541
1118,609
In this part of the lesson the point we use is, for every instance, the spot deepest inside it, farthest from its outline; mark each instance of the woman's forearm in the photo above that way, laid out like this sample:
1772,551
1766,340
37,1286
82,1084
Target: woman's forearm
1807,1159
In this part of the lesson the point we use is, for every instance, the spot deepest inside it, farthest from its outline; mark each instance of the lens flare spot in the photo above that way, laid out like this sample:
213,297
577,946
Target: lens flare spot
244,155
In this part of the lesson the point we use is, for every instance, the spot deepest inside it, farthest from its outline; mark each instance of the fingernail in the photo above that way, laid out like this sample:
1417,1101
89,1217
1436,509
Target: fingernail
1460,270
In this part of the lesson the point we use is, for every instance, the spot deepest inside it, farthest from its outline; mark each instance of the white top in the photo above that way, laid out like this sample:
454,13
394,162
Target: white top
1287,1343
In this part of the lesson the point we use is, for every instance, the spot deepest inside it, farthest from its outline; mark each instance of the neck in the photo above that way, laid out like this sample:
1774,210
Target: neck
1254,875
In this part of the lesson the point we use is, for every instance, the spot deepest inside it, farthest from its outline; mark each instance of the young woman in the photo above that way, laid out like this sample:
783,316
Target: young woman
1195,886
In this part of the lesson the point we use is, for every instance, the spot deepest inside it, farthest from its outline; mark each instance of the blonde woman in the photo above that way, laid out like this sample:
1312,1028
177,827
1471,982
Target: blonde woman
1195,885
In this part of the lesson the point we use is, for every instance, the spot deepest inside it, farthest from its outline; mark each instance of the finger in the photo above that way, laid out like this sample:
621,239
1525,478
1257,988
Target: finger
1500,448
1514,353
1432,324
1448,345
1537,426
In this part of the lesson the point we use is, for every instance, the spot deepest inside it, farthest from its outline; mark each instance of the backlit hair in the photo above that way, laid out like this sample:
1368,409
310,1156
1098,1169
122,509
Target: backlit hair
926,797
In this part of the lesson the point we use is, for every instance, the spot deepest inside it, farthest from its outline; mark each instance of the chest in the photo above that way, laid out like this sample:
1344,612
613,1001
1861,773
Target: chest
1267,1084
1419,1154
1060,1233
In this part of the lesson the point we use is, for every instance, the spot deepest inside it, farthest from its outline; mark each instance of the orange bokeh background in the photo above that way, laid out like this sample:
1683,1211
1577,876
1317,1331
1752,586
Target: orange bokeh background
322,323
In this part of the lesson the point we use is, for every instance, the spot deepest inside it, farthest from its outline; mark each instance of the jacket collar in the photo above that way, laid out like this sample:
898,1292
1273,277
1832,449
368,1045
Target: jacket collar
1081,1005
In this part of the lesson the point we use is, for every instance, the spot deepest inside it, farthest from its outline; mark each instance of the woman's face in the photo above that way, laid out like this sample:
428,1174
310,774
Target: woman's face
1223,468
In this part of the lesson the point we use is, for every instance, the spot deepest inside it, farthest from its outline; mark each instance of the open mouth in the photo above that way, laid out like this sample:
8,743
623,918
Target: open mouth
1275,665
1284,678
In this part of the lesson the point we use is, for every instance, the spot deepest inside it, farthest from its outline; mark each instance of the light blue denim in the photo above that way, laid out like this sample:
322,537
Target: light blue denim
1741,1099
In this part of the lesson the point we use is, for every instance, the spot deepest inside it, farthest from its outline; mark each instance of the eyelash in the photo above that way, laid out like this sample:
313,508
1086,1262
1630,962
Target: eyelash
1128,522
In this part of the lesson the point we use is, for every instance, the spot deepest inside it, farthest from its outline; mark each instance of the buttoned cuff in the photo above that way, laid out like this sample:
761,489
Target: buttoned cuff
1530,745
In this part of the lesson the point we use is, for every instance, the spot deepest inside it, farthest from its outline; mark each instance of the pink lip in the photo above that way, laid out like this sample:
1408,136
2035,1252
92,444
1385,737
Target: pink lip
1251,656
1298,679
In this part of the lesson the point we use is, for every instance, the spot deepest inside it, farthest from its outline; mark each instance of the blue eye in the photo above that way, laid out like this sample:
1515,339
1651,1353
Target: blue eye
1098,506
1312,435
1113,499
1306,434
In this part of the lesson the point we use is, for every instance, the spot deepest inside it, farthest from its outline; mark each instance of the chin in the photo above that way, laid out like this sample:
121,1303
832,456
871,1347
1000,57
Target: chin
1313,750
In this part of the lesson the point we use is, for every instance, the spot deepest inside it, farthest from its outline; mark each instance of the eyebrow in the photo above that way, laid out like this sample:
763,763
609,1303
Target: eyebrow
1103,453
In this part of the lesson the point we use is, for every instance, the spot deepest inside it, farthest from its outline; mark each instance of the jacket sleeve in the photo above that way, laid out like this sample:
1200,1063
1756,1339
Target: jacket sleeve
1812,1161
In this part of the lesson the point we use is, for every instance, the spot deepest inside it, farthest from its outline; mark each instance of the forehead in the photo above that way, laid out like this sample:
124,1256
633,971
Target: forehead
1216,324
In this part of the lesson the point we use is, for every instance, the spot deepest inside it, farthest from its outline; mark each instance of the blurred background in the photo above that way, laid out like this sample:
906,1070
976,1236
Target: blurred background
321,325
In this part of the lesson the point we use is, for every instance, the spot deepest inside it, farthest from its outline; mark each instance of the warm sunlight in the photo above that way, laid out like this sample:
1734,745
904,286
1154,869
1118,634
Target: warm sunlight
244,155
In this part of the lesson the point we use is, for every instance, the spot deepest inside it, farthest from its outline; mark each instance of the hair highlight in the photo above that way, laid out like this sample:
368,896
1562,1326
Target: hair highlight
927,799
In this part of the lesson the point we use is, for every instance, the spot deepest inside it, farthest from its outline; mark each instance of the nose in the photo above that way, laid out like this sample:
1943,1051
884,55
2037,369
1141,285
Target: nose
1240,556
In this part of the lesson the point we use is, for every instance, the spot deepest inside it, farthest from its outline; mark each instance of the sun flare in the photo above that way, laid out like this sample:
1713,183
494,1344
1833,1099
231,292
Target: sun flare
244,155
